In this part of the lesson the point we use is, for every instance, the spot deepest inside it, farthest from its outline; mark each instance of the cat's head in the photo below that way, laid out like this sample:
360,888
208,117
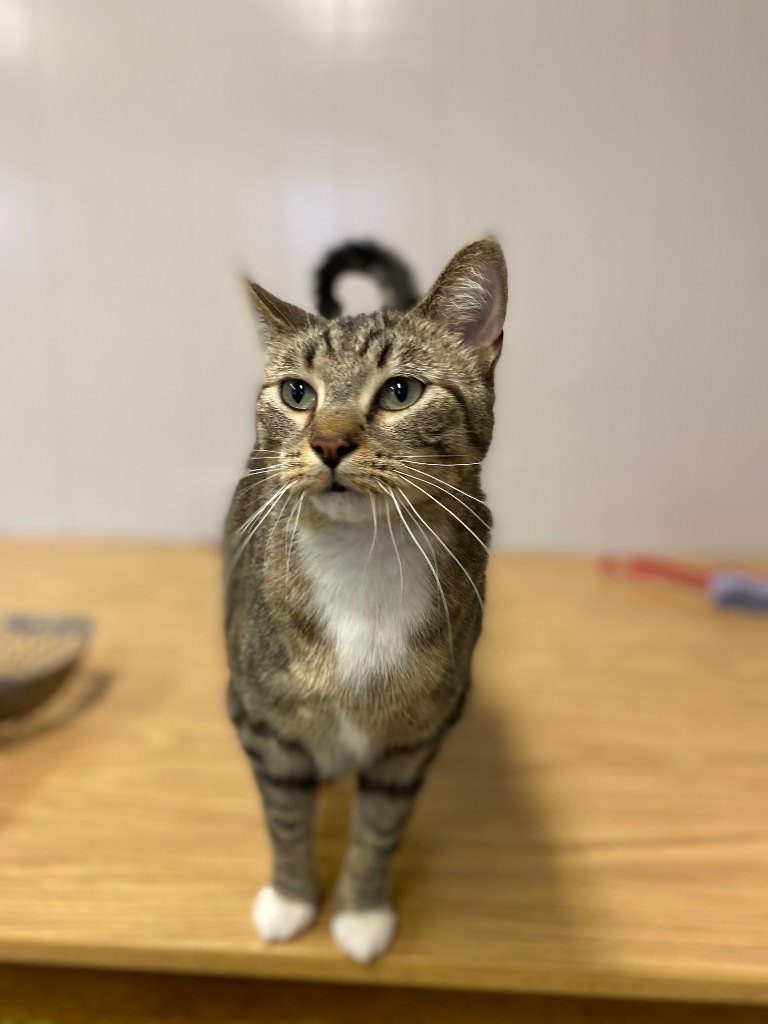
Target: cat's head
359,407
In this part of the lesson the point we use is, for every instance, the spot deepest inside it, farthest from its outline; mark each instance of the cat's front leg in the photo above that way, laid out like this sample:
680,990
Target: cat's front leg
288,905
364,922
287,781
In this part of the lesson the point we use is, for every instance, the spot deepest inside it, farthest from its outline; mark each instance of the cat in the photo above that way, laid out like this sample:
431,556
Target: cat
356,550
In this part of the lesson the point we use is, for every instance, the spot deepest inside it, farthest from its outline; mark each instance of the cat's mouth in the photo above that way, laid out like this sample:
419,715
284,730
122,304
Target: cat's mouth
343,504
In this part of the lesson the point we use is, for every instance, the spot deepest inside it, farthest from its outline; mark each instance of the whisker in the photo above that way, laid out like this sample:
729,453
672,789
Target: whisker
293,536
266,510
457,518
432,568
453,487
441,541
267,476
394,545
418,462
280,508
235,558
375,531
258,511
254,522
263,469
477,515
432,551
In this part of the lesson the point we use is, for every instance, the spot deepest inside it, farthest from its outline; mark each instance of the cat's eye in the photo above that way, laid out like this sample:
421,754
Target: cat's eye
399,393
297,394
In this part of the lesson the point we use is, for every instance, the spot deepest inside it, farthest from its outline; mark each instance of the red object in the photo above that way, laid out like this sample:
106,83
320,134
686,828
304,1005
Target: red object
658,567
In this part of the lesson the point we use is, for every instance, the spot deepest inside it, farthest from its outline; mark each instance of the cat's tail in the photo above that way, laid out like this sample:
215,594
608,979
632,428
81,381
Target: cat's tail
386,268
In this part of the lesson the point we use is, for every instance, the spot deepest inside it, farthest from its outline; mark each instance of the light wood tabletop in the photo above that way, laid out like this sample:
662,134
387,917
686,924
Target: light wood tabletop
596,824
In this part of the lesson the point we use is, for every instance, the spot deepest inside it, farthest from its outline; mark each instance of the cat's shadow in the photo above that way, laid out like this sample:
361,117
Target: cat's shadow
478,845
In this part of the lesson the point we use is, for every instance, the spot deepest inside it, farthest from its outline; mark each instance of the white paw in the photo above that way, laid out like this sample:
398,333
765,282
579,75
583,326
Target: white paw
277,918
364,934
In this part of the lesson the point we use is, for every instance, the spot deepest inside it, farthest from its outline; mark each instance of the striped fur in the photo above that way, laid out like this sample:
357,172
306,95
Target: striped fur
351,617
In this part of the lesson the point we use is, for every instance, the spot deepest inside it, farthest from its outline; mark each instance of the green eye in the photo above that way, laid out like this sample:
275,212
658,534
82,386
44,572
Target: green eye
399,393
297,394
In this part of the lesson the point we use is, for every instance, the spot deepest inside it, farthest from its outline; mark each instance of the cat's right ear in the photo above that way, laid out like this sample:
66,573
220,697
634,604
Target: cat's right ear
279,319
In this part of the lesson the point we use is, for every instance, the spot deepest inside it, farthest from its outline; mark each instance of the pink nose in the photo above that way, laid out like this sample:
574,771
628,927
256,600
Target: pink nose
332,449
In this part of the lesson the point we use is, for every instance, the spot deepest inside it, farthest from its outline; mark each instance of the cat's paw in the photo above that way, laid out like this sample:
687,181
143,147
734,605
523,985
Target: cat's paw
279,919
364,934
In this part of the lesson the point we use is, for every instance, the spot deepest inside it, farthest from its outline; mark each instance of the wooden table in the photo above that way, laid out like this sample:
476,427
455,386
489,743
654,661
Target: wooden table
597,825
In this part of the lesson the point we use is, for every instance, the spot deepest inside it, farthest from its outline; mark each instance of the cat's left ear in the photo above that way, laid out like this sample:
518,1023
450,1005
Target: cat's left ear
470,298
278,318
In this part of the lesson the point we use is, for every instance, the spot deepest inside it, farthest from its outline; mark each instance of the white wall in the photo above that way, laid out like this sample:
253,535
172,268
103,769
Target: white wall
619,148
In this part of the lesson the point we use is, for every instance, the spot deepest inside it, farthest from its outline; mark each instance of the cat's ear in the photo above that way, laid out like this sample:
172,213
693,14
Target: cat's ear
278,318
470,298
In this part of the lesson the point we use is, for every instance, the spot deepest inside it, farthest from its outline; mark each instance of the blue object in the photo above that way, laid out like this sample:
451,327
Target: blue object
735,590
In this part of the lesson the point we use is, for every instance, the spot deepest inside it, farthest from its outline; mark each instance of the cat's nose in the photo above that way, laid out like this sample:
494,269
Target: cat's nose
332,449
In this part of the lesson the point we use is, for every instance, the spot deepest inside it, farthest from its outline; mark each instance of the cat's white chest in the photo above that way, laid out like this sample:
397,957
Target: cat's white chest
369,610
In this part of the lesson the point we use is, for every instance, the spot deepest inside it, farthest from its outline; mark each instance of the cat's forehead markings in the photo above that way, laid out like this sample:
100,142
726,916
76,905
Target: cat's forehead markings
341,340
327,339
374,332
309,354
384,354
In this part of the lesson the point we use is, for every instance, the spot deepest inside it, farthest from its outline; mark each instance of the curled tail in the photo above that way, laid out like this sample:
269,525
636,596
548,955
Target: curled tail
386,268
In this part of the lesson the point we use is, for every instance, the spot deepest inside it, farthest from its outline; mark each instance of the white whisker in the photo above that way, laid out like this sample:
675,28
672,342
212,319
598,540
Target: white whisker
279,509
267,476
417,460
259,510
453,487
375,532
432,568
265,511
293,536
477,516
262,470
441,541
457,518
397,552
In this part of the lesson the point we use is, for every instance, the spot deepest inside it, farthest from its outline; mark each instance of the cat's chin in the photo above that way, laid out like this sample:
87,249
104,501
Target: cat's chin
343,506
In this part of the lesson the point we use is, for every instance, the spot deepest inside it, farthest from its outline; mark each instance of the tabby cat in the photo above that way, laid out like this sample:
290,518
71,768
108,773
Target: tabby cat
356,548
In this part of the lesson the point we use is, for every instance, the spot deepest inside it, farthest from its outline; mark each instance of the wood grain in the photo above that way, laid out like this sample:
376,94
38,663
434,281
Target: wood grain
595,825
55,995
